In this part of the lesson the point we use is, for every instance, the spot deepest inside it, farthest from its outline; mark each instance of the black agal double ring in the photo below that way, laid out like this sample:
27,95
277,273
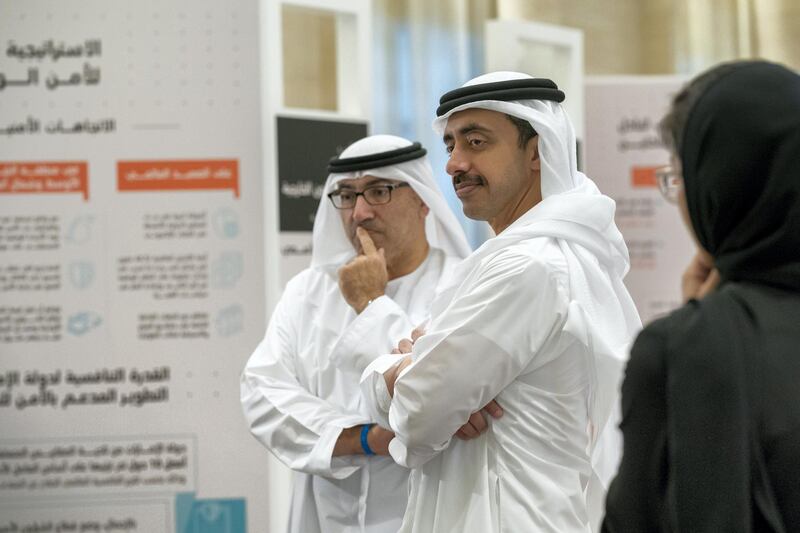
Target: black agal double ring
381,159
524,89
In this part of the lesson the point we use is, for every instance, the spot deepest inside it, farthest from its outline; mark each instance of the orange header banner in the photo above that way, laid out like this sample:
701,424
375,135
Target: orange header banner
44,177
181,175
644,176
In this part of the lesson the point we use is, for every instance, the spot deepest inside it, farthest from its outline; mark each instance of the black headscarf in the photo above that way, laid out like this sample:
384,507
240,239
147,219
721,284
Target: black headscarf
741,172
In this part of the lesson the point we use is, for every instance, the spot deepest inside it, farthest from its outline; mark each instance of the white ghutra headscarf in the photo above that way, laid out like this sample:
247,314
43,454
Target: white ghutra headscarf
331,247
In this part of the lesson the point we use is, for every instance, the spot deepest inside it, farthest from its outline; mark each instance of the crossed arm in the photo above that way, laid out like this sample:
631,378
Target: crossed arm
489,333
477,422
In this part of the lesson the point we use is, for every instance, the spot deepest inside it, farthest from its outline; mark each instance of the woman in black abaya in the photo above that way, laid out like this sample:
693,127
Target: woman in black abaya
711,397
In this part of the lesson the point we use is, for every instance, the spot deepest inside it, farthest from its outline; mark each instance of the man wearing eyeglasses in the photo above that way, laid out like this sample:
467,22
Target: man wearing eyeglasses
383,239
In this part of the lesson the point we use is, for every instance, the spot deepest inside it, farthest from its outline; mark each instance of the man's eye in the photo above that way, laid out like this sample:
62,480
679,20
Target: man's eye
449,149
379,192
475,142
346,195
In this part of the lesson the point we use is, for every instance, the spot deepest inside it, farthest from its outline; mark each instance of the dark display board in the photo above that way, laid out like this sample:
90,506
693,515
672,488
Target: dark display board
304,148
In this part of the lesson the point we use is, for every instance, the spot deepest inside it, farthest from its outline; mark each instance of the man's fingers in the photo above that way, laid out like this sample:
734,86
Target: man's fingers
404,364
395,351
477,421
494,409
367,245
469,431
418,332
405,346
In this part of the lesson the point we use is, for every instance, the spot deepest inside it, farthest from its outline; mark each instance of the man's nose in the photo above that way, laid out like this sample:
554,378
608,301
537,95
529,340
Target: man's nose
458,163
362,210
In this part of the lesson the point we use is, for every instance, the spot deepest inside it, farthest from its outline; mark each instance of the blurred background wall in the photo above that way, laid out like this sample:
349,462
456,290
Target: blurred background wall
423,49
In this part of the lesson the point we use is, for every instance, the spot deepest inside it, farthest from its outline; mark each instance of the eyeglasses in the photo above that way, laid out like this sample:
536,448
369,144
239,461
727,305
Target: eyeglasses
374,195
669,183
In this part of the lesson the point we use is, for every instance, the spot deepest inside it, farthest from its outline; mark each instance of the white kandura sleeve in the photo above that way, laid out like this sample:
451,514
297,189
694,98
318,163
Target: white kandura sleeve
373,388
375,331
300,428
473,350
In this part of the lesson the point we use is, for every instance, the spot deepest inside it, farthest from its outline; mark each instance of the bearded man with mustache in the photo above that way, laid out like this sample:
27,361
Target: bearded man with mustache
383,239
536,318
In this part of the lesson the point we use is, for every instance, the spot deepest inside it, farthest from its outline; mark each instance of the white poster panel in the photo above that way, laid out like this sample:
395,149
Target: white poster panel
623,150
131,265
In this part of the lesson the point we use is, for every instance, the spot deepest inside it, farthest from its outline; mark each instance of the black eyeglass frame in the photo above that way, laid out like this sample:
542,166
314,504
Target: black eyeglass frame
389,186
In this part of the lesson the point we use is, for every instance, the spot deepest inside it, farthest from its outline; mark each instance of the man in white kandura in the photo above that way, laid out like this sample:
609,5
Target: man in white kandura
383,239
537,318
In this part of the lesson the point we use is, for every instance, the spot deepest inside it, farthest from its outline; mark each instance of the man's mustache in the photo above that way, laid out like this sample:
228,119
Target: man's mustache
368,227
467,179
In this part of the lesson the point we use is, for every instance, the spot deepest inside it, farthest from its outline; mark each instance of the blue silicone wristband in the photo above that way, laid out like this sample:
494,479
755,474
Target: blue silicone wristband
364,443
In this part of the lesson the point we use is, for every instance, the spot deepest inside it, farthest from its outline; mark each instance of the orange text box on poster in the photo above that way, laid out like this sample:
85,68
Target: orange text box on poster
179,175
44,177
644,176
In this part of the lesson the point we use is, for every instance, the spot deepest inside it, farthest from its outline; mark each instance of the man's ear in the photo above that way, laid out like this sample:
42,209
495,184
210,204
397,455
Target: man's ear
424,210
536,163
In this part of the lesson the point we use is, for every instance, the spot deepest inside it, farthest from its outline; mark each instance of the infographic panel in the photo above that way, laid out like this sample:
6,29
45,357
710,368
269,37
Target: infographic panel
131,265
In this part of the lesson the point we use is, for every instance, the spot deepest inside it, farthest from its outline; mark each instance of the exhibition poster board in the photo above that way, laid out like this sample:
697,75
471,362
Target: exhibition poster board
623,151
131,265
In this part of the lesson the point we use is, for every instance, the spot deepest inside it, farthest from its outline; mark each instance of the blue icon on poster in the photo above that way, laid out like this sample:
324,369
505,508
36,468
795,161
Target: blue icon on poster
83,322
226,270
79,230
230,320
81,274
209,516
226,223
